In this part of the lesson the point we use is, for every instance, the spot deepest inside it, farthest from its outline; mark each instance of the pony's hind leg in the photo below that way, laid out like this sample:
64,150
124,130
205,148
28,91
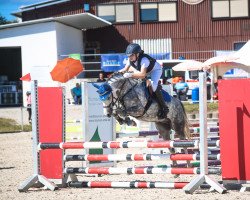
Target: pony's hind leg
165,130
180,131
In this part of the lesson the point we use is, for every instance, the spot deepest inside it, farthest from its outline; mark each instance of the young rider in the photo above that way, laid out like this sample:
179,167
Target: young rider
141,65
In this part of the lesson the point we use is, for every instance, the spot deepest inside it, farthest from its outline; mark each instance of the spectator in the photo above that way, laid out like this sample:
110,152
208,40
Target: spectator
101,78
181,89
215,96
77,94
28,94
176,79
208,88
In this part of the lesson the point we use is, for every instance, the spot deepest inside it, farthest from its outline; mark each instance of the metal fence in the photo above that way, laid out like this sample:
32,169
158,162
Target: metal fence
92,62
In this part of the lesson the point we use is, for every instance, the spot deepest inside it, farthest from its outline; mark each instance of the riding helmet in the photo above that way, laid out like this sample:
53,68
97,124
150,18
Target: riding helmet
133,48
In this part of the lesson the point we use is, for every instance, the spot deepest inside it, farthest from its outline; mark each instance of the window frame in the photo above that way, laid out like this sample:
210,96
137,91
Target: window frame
114,4
228,18
240,43
157,21
151,21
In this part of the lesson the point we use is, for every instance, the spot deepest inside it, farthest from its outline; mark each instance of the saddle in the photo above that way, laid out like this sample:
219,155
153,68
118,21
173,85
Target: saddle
151,96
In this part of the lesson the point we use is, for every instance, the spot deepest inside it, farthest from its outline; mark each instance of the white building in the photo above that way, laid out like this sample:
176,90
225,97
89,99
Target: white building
42,41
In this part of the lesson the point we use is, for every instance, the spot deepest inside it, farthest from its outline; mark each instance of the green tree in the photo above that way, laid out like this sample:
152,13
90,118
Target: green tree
3,20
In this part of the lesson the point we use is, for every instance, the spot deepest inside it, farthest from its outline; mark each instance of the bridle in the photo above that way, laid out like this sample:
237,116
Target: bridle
114,100
117,103
111,105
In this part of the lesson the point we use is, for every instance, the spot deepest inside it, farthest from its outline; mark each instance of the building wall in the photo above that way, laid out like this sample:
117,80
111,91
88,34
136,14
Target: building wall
38,46
41,44
69,40
194,30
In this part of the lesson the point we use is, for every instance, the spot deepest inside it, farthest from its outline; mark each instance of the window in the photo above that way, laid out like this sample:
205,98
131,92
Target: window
238,45
161,12
107,12
167,12
124,13
116,12
148,12
230,8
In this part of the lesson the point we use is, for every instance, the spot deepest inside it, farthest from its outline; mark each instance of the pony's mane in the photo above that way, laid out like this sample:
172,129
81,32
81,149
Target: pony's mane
116,76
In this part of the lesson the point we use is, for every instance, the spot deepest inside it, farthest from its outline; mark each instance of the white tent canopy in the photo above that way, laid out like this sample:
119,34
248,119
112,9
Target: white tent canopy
239,59
189,65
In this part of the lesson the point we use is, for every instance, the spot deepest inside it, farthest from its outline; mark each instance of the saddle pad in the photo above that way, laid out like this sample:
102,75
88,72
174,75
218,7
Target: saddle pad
166,96
146,90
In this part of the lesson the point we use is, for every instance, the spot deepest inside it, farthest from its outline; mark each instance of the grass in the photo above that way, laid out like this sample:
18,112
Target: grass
10,126
194,108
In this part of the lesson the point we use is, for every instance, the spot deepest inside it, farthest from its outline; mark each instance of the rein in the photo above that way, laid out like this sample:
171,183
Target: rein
120,99
113,103
146,107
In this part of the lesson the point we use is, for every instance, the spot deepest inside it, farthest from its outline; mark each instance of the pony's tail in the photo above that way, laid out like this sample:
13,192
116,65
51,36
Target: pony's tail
187,124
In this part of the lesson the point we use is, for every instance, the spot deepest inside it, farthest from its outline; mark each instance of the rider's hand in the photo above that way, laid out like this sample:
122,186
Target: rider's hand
127,75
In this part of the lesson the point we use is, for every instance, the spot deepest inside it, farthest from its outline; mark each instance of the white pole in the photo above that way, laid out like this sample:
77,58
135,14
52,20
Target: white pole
22,117
203,124
203,177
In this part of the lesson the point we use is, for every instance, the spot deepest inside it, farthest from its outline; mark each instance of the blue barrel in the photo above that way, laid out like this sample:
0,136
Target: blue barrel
195,94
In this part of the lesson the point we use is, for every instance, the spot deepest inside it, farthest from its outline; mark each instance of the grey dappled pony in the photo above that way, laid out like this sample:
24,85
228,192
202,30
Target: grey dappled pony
126,97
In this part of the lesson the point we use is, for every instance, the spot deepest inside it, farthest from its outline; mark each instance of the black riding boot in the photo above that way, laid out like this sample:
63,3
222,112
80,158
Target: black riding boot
163,111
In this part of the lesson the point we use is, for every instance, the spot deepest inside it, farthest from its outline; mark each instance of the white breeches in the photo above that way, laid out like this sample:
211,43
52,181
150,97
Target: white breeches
155,76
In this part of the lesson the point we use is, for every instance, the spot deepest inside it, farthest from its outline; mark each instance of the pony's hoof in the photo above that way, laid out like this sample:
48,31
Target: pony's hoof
176,175
133,123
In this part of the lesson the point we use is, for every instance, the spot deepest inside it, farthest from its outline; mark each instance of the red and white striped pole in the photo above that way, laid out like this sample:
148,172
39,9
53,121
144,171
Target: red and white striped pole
136,170
126,144
136,157
127,184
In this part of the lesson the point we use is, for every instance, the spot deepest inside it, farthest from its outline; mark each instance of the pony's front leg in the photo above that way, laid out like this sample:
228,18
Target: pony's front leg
122,114
130,122
119,119
127,121
185,150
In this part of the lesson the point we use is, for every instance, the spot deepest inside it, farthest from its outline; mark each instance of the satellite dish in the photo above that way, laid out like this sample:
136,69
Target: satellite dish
192,2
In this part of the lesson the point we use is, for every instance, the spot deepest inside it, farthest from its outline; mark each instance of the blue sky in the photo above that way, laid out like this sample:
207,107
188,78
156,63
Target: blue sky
9,6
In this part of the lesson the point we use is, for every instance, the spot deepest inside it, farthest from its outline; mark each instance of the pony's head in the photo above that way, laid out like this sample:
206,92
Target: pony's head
105,95
110,92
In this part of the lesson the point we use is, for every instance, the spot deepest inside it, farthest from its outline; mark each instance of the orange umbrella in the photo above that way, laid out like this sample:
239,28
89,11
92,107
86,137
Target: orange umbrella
66,69
26,77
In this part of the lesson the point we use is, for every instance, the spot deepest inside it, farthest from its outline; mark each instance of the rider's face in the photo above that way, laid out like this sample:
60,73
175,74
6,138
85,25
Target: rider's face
132,57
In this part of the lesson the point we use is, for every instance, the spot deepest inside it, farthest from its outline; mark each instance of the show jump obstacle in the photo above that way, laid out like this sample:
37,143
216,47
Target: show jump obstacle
234,119
49,145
